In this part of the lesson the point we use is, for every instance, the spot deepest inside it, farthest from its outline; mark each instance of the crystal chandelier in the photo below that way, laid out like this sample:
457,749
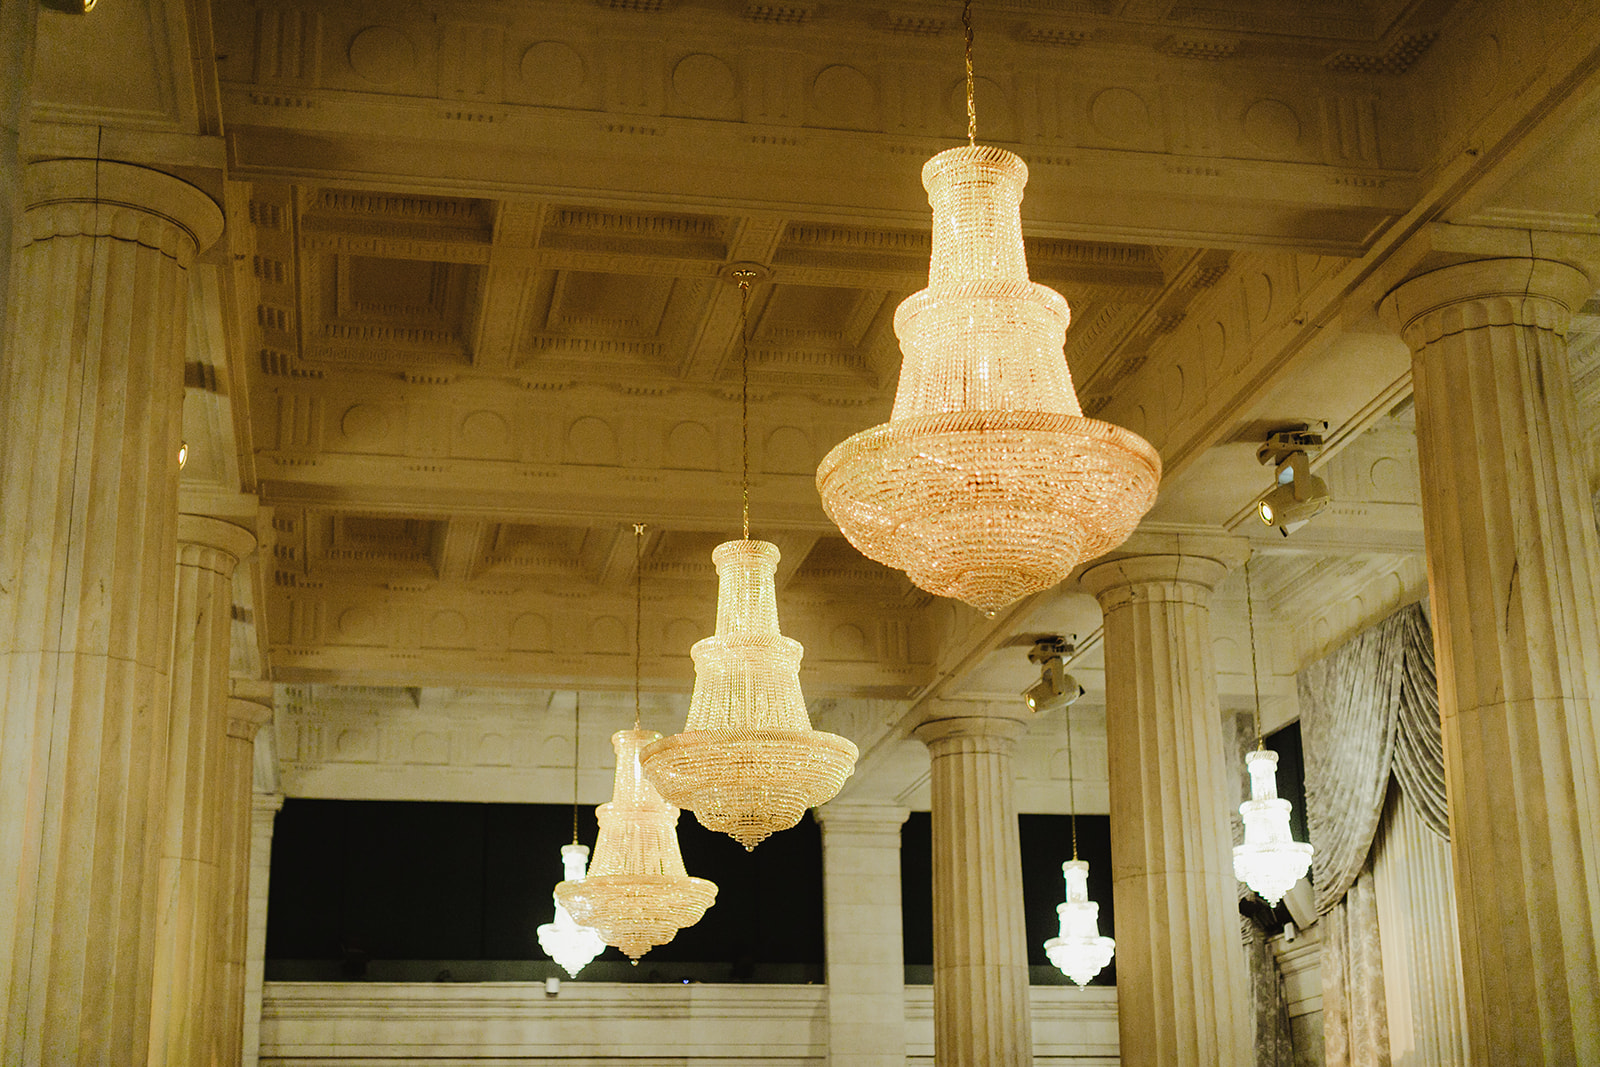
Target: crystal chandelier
1078,951
1270,861
637,894
748,763
987,483
571,945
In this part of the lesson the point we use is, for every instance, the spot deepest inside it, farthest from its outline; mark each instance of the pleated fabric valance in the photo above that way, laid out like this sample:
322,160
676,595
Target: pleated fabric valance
1367,710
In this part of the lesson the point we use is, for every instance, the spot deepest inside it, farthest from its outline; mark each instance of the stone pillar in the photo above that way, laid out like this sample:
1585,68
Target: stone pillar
248,711
263,813
1182,989
91,395
188,898
1514,577
980,954
18,19
865,946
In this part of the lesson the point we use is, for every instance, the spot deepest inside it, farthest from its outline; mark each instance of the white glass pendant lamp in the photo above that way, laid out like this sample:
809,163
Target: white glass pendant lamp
570,945
1079,951
987,483
748,763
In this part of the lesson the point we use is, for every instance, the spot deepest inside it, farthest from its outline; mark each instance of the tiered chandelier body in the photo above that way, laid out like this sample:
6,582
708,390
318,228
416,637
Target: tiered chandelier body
1079,951
987,483
1270,861
637,894
571,945
748,763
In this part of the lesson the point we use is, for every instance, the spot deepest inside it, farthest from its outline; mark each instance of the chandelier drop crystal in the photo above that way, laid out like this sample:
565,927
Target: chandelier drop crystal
748,763
987,483
571,945
1079,951
1270,861
637,894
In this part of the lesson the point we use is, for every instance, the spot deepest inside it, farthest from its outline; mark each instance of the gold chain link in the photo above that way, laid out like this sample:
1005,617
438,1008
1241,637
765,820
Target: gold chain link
972,109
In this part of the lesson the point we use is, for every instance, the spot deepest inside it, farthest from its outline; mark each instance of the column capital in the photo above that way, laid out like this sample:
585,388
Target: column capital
847,816
213,536
102,198
1507,291
249,708
266,803
947,724
1200,559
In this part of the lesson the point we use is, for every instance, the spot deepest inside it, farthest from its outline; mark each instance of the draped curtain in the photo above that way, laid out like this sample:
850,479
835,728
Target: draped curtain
1369,712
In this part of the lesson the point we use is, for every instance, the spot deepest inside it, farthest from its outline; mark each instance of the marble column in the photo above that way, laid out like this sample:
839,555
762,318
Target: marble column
189,900
91,394
1182,988
18,19
865,945
263,814
248,711
980,954
1514,577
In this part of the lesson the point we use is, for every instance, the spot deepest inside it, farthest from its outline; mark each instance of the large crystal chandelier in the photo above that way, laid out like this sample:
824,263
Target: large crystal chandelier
637,893
748,763
1078,950
571,945
1270,861
987,483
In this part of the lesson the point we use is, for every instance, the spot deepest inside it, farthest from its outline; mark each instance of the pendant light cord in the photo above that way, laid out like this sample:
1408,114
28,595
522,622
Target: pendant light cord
972,109
1255,671
1072,785
576,735
743,278
638,613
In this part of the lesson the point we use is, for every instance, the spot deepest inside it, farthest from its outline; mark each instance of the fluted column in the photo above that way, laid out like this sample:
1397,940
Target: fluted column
980,954
865,946
1514,577
248,710
264,809
91,393
1182,992
189,900
18,19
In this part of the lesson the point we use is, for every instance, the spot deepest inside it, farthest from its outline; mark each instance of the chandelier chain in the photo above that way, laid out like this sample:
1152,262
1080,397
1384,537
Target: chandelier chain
743,277
972,110
638,613
576,699
1255,670
1072,785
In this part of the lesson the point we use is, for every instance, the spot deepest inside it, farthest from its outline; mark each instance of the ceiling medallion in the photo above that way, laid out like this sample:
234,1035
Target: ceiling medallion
748,763
637,894
987,483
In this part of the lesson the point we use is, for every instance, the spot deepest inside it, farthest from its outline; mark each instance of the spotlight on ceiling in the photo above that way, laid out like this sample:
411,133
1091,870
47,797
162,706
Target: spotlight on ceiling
1055,687
1296,494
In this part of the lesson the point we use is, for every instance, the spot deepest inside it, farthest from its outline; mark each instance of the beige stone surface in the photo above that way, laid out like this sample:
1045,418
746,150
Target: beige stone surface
1180,966
264,809
1514,578
89,395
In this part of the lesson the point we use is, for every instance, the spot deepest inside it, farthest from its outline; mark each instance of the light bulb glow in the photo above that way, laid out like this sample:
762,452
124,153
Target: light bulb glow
570,945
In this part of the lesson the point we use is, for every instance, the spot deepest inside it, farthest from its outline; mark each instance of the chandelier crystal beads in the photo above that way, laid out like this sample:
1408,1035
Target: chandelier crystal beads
1079,951
637,894
987,483
1270,861
748,763
571,945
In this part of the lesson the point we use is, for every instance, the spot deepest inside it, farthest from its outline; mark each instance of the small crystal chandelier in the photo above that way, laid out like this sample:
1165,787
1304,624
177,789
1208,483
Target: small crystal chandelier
1270,861
748,763
637,894
1078,951
987,483
571,945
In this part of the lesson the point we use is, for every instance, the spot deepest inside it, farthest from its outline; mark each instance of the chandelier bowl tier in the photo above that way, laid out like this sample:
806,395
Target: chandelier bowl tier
748,763
1270,861
637,894
988,482
570,945
1079,951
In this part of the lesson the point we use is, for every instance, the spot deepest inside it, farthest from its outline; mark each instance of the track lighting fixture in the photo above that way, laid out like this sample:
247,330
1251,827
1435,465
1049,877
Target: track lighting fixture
1055,687
1296,494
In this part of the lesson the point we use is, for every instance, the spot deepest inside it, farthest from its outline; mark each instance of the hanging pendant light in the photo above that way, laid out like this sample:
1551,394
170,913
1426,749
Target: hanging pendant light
987,483
571,945
1078,951
1270,861
748,763
637,894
